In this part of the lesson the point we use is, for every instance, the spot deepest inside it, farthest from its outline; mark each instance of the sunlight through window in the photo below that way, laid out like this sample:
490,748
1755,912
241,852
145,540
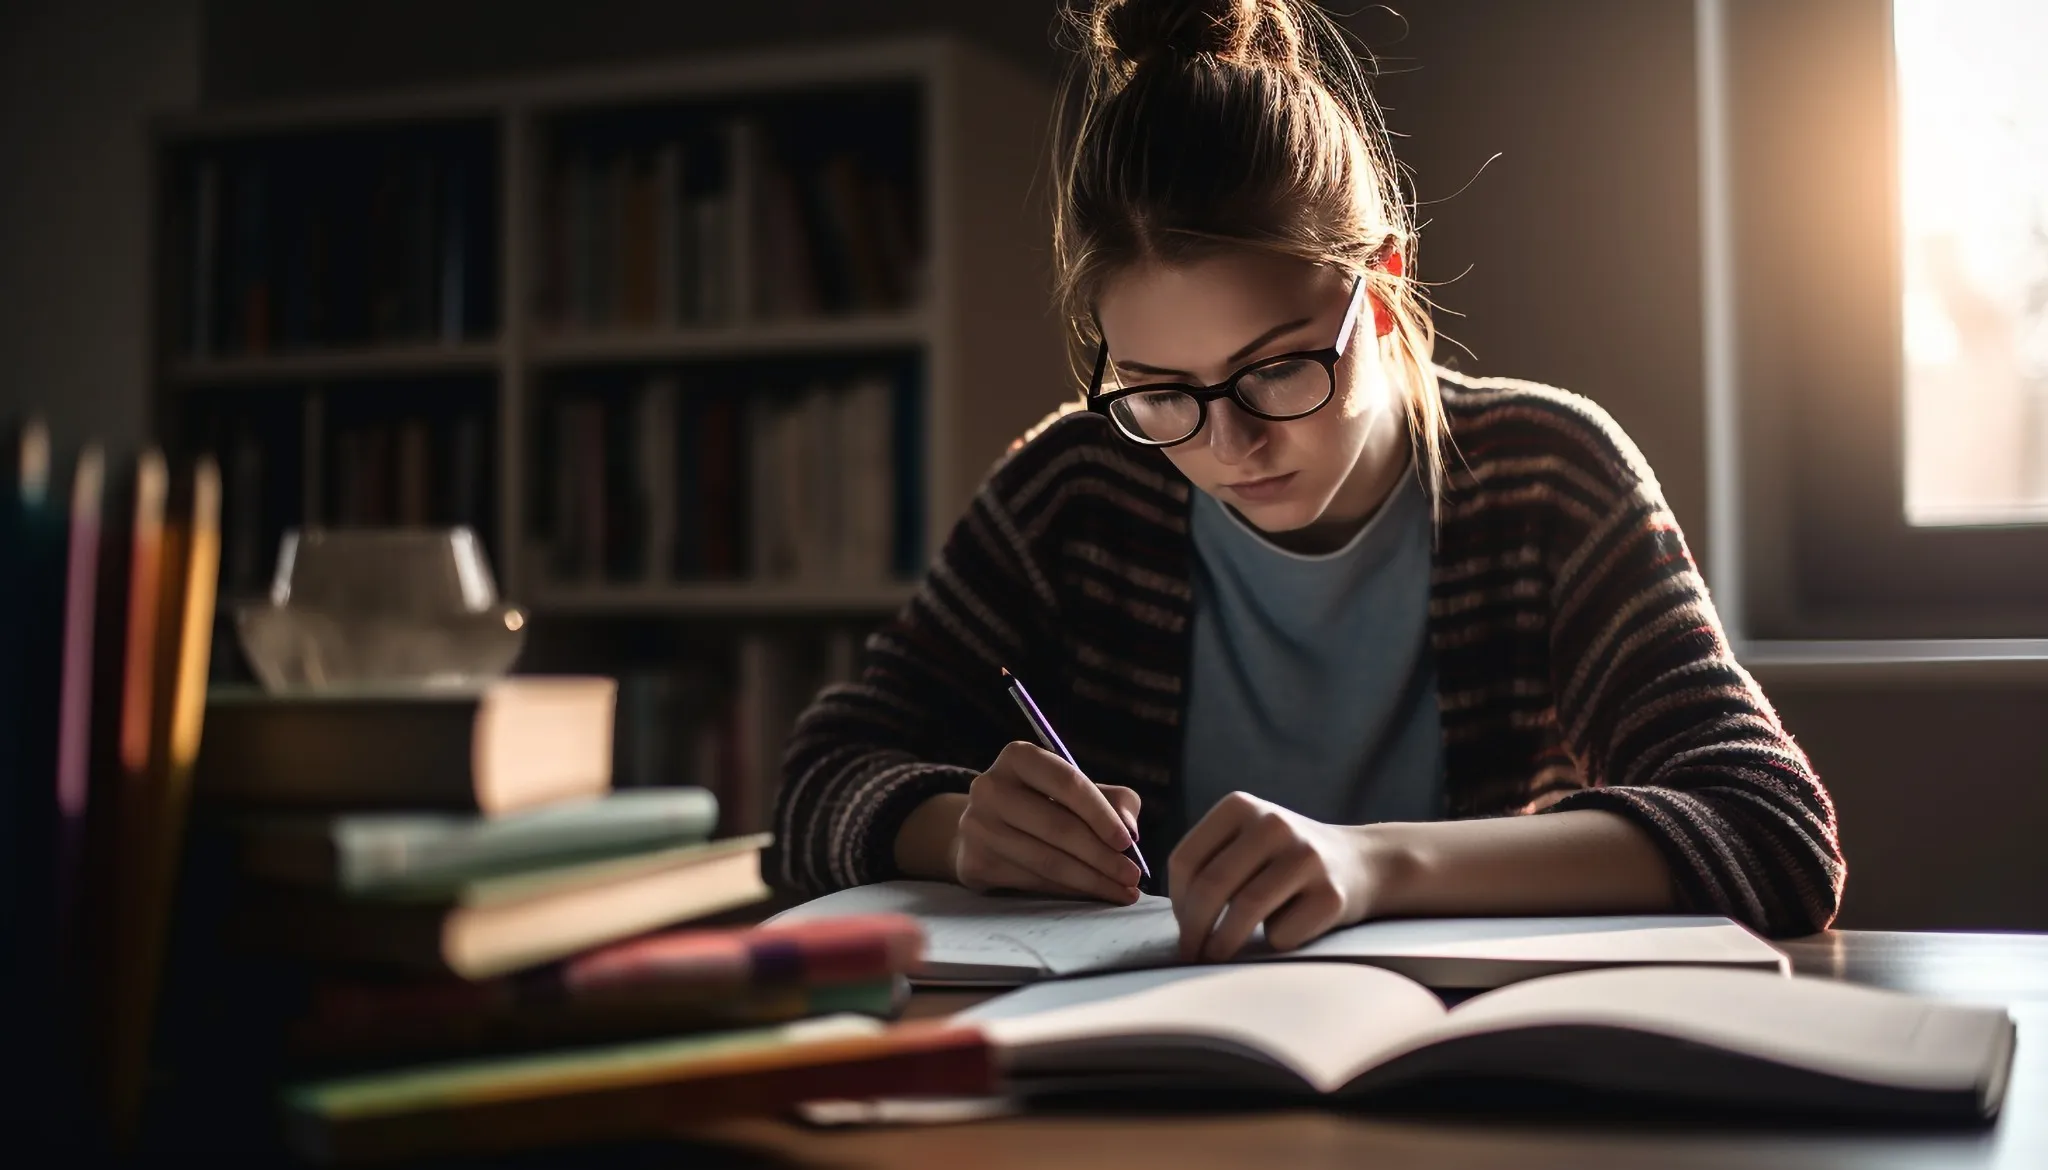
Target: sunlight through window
1973,158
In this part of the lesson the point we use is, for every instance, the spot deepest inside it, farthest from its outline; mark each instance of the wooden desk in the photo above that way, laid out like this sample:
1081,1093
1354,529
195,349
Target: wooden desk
2010,970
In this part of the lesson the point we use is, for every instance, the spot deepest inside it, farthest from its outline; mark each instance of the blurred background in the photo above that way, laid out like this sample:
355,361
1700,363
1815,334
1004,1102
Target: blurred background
708,317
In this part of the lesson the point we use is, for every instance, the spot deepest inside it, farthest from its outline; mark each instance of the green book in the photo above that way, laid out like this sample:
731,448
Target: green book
490,926
368,853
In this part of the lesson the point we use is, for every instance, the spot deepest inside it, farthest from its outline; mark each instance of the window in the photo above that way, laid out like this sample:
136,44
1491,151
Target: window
1973,213
1887,195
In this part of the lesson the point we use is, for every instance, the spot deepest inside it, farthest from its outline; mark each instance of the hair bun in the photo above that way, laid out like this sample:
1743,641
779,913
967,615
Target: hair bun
1244,32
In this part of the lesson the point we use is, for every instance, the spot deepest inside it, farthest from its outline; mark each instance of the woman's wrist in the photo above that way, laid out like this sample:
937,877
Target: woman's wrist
1579,862
1394,864
924,845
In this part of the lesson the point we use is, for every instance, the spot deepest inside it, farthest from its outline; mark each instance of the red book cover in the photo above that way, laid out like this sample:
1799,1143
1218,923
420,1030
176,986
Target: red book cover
673,967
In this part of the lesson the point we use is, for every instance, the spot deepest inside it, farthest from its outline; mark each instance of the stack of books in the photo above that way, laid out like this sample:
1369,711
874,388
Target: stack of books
486,939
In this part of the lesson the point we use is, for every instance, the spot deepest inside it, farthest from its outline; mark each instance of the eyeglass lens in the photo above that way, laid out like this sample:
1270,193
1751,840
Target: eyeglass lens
1280,390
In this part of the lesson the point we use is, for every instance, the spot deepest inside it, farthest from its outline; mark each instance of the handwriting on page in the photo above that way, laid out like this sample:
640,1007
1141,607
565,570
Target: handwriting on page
1023,936
1065,937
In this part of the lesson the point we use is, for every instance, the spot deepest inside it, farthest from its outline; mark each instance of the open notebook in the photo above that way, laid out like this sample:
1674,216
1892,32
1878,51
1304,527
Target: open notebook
1708,1036
1003,941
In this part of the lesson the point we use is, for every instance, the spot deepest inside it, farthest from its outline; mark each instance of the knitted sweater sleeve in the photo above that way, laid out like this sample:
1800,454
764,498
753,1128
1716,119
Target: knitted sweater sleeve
1673,734
927,713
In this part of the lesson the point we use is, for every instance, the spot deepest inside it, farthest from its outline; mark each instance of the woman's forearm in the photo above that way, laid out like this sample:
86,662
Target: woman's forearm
1584,862
924,845
1579,862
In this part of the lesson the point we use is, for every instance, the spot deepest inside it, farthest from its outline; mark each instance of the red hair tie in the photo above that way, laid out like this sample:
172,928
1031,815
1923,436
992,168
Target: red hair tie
1382,320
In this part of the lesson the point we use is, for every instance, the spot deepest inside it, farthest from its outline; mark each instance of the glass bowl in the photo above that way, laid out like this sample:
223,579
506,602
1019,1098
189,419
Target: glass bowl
352,607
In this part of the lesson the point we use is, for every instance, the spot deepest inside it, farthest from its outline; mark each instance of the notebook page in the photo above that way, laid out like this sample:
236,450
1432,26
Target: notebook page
1025,937
1003,938
1322,1020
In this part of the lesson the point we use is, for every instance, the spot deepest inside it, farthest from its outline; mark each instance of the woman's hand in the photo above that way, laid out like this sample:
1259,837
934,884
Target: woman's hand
1034,822
1250,862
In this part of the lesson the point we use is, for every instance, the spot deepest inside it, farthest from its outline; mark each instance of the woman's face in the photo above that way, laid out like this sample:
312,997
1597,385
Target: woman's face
1204,321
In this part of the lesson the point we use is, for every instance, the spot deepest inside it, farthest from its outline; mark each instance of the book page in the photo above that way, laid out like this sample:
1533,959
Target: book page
1322,1021
1490,952
1859,1033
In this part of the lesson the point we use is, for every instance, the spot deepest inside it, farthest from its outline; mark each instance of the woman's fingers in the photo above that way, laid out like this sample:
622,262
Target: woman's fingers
1014,850
1061,782
995,873
1209,866
1316,908
1126,804
1201,897
1026,810
1278,881
1209,835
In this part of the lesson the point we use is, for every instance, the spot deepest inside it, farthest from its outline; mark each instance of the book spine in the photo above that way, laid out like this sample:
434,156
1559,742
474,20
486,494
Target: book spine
907,443
720,504
608,243
414,473
466,473
205,257
914,1061
869,467
760,756
551,293
454,258
581,215
666,252
355,1023
657,459
741,253
583,521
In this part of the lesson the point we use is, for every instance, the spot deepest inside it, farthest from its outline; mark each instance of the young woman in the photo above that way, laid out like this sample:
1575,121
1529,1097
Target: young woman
1324,625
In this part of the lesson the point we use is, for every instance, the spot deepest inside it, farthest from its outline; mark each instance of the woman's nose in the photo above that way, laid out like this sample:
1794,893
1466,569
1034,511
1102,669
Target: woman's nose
1233,434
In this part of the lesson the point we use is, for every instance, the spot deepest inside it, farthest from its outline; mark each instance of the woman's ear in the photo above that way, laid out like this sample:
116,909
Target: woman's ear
1382,320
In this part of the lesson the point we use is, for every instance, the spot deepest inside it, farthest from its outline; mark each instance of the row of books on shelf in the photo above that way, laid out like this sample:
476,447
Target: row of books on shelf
291,250
661,484
384,470
722,725
410,473
721,225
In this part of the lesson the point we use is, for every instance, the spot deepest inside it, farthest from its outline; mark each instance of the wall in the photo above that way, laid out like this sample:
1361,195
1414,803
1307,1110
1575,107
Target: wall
77,81
261,50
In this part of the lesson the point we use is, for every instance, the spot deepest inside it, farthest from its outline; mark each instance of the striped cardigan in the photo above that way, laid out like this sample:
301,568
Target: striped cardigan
1580,663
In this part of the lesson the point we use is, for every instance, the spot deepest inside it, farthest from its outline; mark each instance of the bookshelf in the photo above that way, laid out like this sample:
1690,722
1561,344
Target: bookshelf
721,344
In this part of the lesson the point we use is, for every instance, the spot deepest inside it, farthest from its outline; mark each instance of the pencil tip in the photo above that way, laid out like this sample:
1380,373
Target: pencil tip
1006,673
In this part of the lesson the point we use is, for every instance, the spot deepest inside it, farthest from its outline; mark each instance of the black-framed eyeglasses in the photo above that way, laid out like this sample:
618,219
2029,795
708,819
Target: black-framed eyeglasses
1277,389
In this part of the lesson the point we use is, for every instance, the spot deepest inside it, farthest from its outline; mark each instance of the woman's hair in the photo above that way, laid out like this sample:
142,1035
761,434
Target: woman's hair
1189,127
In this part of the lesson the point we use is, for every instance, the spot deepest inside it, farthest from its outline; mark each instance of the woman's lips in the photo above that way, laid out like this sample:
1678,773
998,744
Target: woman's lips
1262,491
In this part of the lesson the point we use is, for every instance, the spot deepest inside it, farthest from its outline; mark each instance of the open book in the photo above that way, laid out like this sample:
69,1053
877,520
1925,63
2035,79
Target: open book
1003,941
1715,1037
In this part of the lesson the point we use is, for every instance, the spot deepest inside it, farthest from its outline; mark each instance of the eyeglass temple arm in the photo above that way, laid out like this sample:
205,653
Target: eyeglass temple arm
1343,335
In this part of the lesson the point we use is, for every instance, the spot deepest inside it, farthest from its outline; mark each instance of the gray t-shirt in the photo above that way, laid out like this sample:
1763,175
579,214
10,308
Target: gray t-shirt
1311,681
